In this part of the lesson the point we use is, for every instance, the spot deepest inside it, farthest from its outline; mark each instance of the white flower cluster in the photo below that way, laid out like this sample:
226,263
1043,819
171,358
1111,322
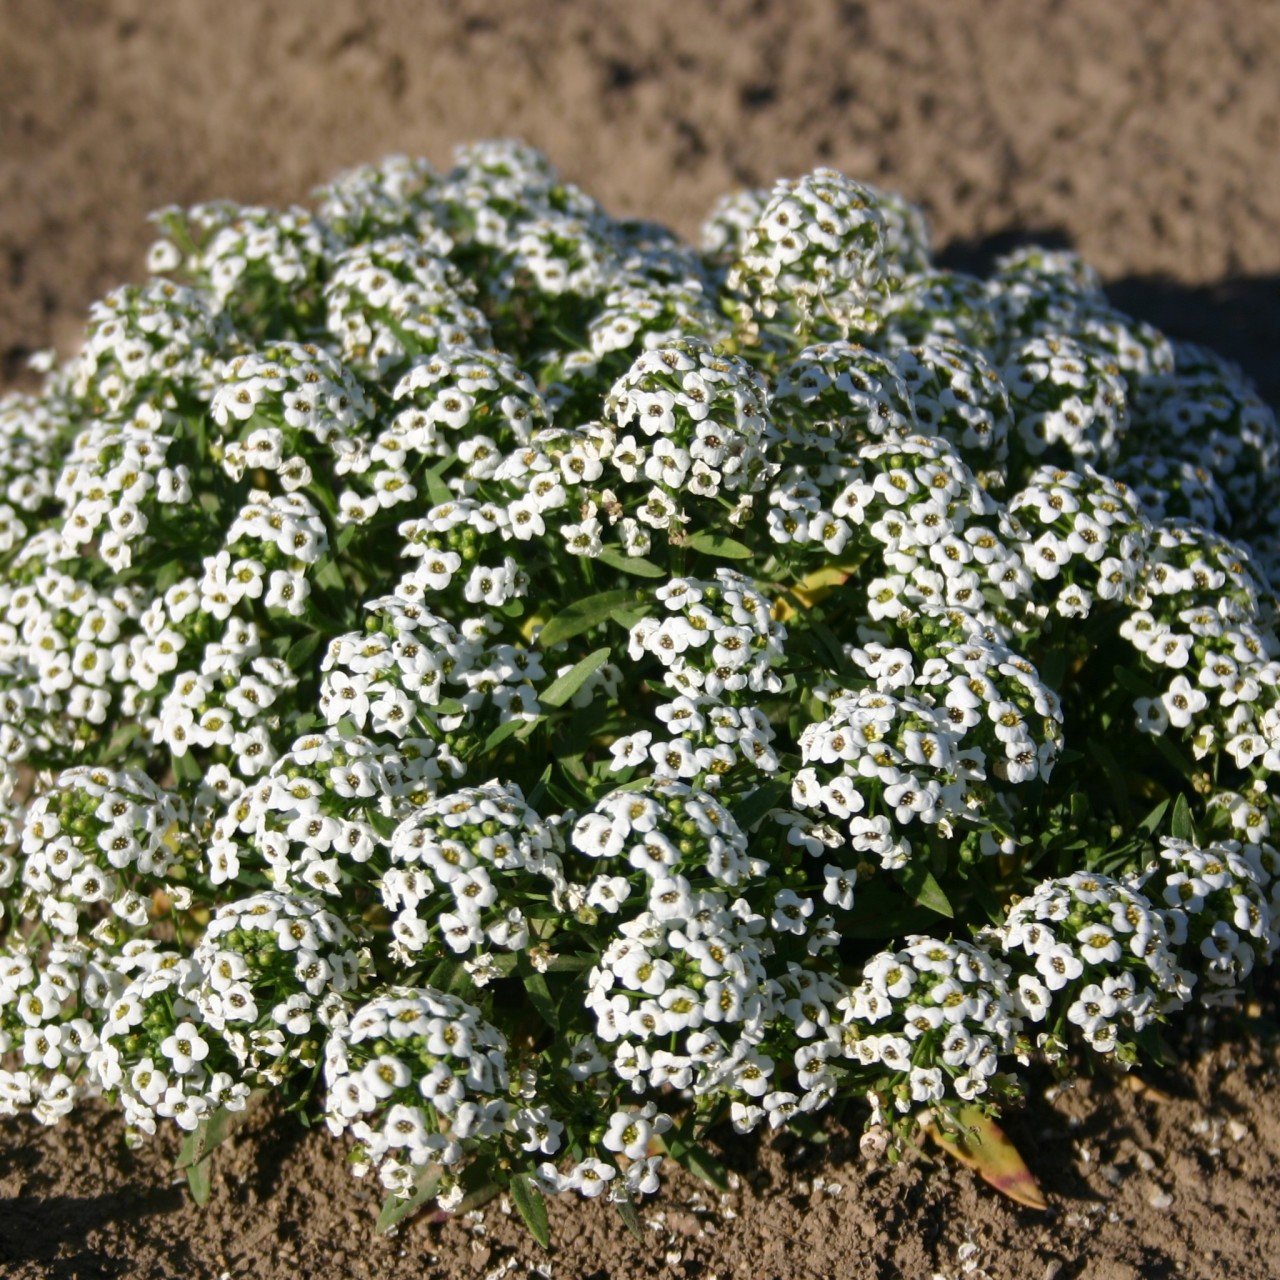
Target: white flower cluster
1211,900
938,1016
819,240
531,689
1204,636
457,864
700,419
1094,953
153,1055
417,1077
96,844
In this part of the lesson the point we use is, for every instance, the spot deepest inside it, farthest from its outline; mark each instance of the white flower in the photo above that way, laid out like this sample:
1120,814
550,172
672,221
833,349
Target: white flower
184,1048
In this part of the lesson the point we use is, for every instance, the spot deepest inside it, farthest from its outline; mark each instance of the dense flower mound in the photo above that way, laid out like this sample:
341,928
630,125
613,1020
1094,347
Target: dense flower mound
528,689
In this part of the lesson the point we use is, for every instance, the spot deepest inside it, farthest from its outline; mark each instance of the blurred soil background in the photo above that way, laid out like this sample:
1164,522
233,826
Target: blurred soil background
1144,133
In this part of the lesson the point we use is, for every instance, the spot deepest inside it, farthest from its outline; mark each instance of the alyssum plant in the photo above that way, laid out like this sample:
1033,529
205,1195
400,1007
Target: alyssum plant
530,690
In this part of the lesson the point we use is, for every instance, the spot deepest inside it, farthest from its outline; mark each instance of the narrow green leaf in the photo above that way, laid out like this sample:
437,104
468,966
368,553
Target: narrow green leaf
302,650
121,740
167,575
924,888
532,1208
561,689
1181,824
1166,748
1113,775
540,789
395,1210
1151,823
629,615
1053,668
215,1129
765,797
438,493
525,728
631,1220
200,1182
195,1146
689,1155
504,731
636,565
583,615
448,975
187,1150
329,576
1134,682
716,544
539,993
186,768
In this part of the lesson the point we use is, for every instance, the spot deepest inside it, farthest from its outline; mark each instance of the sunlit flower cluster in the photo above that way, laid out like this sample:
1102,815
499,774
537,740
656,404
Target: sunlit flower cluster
529,690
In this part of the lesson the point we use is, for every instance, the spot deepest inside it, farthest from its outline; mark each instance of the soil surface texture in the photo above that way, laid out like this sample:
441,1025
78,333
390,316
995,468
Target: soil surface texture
1143,133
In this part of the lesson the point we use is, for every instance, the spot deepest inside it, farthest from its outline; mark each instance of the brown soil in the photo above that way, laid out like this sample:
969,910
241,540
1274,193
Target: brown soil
1144,133
1178,1180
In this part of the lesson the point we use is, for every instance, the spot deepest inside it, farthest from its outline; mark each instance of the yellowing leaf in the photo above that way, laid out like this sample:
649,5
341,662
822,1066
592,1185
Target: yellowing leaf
1145,1089
810,589
981,1144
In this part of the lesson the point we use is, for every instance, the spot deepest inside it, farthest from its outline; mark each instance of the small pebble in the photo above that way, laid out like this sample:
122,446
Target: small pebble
1237,1131
1159,1199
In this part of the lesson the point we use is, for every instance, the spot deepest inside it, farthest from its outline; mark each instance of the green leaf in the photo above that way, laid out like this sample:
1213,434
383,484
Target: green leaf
924,888
504,731
534,798
1151,823
1053,668
539,993
630,614
214,1130
121,741
765,797
585,614
532,1208
438,493
636,565
329,576
186,768
302,650
687,1153
187,1151
1166,748
716,544
1134,682
631,1219
449,975
1113,774
395,1210
168,575
562,688
1181,823
200,1182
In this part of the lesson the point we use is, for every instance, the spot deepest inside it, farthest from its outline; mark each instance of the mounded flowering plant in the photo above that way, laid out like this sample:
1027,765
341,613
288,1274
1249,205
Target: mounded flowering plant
526,689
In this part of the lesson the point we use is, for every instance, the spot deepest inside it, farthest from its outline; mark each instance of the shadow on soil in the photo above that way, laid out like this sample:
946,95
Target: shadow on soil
55,1230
